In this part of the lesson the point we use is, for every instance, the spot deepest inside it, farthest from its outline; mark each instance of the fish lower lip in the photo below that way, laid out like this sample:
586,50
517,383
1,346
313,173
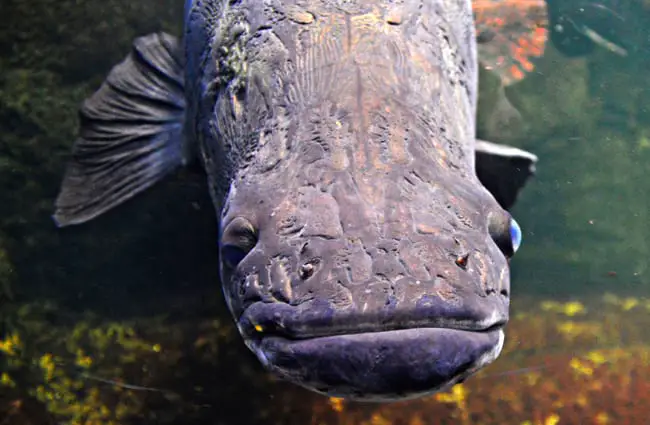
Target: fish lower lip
381,366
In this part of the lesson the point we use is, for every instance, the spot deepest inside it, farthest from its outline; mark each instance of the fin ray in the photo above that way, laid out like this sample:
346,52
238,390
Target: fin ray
131,132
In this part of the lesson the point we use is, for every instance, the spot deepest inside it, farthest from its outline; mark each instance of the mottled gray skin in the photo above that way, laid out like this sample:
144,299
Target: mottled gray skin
338,137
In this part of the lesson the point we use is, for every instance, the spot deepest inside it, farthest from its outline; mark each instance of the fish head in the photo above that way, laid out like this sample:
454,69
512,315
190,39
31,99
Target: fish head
379,285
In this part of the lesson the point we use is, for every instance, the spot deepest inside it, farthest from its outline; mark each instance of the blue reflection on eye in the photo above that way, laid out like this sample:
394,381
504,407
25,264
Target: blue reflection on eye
232,255
515,235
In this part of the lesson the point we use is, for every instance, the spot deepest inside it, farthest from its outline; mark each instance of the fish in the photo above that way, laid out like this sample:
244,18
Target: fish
579,27
361,254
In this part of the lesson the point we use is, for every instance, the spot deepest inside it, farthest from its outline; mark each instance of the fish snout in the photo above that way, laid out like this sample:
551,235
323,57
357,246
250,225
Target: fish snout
373,320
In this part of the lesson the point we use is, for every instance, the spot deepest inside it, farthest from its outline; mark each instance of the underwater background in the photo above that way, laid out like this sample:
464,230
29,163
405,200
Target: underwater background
122,321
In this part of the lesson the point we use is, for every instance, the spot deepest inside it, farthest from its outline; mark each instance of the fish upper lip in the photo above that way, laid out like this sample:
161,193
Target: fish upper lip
301,337
261,329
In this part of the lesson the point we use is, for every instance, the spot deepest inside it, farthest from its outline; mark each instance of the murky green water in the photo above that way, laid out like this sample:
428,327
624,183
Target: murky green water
133,297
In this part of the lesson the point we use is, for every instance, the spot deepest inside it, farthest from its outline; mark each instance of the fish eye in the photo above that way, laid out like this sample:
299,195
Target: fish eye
515,235
232,255
505,232
237,240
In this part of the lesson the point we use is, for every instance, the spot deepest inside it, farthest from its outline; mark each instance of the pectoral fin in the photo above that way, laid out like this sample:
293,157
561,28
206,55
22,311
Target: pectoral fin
131,132
503,170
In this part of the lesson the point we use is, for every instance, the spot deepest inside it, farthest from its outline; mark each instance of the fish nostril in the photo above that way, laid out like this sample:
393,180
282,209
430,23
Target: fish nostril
504,293
306,271
461,261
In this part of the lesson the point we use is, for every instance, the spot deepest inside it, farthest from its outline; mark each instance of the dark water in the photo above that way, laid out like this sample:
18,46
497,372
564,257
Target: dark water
133,297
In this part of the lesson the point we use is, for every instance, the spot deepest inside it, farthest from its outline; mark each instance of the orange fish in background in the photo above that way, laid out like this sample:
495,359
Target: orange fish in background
510,33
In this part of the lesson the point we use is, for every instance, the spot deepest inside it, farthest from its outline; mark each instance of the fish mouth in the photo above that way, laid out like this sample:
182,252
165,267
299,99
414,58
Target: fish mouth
381,366
314,321
380,361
